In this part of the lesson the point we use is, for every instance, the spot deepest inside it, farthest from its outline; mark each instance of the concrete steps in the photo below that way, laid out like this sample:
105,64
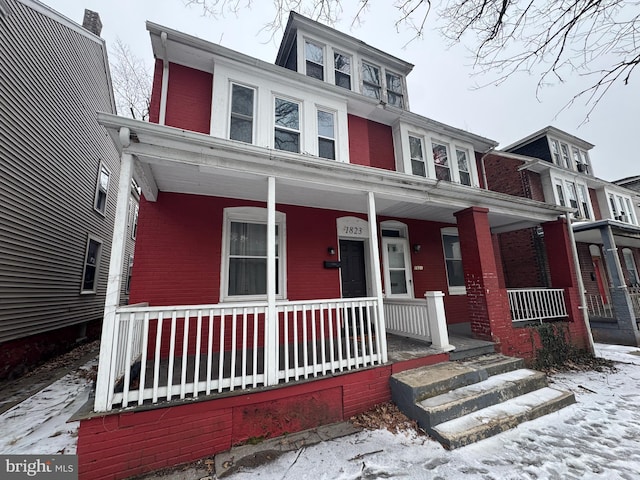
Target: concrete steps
462,402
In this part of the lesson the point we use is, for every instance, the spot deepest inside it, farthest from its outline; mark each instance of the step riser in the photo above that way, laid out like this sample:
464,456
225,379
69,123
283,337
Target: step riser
436,415
503,425
474,352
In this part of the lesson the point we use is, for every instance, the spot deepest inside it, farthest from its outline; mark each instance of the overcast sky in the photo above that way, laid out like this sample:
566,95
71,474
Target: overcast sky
441,86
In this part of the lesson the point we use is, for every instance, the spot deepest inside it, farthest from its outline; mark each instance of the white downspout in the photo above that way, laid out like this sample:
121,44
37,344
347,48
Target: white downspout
165,80
583,299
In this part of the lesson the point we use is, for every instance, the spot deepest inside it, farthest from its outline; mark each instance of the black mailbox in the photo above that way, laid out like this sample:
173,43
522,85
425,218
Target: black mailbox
332,264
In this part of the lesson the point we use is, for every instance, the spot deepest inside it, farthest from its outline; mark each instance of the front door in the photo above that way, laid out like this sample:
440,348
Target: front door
397,268
354,276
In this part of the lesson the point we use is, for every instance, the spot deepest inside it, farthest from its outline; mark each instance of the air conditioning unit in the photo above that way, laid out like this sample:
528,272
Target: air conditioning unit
582,167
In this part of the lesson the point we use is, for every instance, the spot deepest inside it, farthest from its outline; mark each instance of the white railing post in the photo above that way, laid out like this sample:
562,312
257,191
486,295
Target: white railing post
438,321
108,340
271,315
374,251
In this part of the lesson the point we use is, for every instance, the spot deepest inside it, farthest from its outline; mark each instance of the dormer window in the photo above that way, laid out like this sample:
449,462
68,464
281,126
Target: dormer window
555,152
371,85
342,65
395,95
314,56
566,162
580,158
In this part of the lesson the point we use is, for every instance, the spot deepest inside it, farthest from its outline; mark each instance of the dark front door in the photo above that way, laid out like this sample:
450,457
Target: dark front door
354,278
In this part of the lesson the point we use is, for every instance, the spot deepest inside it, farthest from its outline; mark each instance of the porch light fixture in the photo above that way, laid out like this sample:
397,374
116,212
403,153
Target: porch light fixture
417,247
331,251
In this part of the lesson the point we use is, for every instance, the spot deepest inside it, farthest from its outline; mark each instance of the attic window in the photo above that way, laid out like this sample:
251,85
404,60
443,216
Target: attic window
314,56
395,95
371,80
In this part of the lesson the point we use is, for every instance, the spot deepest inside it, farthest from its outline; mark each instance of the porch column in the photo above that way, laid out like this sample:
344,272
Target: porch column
271,316
563,273
374,251
488,303
116,262
619,293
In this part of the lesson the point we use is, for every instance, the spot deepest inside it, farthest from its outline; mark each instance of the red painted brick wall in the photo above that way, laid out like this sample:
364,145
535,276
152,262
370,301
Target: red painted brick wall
189,99
594,204
370,143
156,91
130,443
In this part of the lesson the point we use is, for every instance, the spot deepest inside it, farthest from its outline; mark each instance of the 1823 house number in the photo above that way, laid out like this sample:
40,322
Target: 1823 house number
352,230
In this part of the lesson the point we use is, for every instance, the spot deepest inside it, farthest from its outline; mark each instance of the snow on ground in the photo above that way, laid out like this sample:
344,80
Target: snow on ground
597,438
39,424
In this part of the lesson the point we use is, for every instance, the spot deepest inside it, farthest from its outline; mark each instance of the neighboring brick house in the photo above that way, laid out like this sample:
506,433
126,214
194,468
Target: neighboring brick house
292,216
553,165
59,173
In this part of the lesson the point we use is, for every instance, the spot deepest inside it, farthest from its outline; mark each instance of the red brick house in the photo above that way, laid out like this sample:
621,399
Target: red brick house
553,166
294,216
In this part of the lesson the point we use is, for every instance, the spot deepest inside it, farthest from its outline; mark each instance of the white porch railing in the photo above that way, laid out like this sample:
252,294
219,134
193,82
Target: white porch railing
160,353
598,307
536,304
422,319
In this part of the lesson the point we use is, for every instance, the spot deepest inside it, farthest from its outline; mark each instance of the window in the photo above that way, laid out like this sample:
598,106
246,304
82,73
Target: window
630,264
580,159
572,196
631,214
560,193
555,152
584,201
102,189
326,135
441,161
241,124
129,274
244,263
287,125
314,55
370,80
395,95
417,158
565,156
463,167
396,259
453,261
342,65
134,226
91,265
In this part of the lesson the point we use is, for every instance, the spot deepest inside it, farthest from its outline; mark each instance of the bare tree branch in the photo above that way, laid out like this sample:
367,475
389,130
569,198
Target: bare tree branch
131,82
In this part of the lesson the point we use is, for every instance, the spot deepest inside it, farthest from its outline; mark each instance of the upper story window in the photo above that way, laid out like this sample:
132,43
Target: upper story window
417,157
566,162
314,56
585,203
326,135
342,65
102,189
395,95
371,81
463,167
622,208
574,195
242,108
287,125
555,152
441,161
580,159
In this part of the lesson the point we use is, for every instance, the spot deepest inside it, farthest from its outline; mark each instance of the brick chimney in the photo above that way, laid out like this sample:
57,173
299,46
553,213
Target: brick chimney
92,22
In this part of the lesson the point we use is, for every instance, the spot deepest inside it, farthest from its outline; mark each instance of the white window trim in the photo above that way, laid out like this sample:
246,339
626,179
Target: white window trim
301,125
627,200
453,174
91,238
255,110
381,86
562,181
324,49
251,215
98,189
320,108
425,160
403,93
335,51
453,290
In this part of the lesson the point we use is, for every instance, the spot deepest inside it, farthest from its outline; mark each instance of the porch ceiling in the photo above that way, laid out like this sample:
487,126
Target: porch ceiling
623,234
173,160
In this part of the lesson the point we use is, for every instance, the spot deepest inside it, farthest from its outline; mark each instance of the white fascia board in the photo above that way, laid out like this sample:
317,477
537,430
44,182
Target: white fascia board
551,131
180,146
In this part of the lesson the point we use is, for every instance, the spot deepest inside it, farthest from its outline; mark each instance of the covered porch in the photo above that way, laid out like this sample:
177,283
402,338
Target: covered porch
165,350
609,249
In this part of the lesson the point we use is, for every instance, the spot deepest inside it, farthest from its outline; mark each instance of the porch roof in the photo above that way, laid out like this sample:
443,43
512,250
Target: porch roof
174,160
625,235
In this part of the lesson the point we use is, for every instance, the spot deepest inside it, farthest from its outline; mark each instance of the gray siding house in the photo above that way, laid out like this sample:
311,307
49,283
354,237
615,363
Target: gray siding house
58,183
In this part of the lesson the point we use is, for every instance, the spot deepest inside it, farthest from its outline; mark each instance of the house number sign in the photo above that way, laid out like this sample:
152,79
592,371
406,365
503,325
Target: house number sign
352,227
